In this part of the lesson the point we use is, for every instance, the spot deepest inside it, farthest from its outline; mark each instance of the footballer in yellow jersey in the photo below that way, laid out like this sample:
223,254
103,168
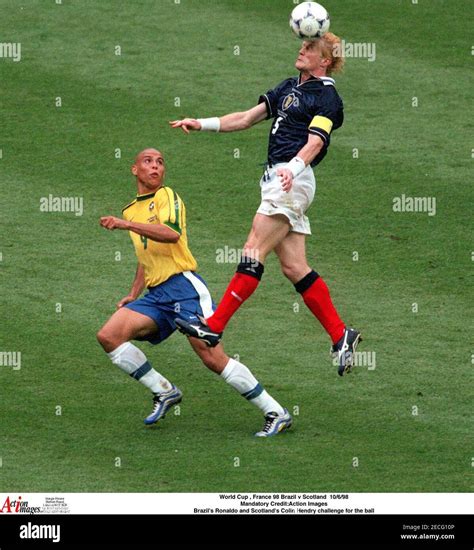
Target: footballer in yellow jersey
160,260
156,221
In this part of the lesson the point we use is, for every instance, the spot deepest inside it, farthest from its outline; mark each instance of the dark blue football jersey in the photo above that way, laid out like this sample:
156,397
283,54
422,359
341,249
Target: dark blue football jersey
313,106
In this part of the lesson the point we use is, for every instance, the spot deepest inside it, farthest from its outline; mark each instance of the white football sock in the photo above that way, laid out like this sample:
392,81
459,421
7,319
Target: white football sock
239,377
134,362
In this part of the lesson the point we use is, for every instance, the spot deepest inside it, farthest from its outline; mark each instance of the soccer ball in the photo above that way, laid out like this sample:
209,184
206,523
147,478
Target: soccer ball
309,20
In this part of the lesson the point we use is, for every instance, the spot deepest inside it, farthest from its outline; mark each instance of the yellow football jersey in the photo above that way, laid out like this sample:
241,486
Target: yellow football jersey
160,260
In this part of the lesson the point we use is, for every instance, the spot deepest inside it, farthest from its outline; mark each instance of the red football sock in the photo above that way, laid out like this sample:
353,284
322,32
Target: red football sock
241,287
318,300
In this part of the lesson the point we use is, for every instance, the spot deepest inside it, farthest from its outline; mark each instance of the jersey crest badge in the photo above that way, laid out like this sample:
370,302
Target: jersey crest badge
152,205
290,100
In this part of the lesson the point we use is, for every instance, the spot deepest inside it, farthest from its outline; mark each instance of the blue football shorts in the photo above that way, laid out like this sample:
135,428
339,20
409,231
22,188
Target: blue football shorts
184,295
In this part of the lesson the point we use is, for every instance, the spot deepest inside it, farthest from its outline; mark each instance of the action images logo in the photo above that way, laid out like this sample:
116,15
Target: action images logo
18,507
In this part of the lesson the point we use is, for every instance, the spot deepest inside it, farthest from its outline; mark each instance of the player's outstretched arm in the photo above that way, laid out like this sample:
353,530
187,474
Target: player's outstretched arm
244,120
137,287
232,122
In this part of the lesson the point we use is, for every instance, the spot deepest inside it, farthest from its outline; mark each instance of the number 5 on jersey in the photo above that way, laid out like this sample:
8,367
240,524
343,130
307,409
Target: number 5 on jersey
277,125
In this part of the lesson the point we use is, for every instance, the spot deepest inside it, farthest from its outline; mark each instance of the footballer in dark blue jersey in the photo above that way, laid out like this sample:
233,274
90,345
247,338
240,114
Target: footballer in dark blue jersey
298,107
305,110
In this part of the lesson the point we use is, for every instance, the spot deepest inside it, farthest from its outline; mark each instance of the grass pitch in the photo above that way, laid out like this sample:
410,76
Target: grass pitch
68,414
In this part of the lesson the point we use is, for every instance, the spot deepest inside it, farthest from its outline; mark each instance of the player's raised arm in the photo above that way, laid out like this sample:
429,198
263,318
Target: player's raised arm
232,122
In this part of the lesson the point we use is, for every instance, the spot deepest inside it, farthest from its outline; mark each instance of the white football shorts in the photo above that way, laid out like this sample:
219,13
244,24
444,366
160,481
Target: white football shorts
294,204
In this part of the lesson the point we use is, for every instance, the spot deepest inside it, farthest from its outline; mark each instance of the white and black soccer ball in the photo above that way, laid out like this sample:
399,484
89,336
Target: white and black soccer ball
309,20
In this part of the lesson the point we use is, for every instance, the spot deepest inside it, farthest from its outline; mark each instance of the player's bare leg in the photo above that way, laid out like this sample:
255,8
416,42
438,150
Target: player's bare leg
214,359
292,255
238,376
266,233
124,325
115,336
291,252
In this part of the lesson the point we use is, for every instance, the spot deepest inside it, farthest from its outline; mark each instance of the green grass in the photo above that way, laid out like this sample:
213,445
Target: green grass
109,102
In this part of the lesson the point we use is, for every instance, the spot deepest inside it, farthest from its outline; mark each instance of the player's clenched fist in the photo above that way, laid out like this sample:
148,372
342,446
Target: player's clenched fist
111,222
286,178
186,124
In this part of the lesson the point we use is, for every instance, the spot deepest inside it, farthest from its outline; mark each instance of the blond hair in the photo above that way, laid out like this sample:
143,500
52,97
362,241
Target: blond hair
330,48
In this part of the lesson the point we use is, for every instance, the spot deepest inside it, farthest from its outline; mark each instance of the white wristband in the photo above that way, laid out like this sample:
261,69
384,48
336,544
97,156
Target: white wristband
296,166
210,124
